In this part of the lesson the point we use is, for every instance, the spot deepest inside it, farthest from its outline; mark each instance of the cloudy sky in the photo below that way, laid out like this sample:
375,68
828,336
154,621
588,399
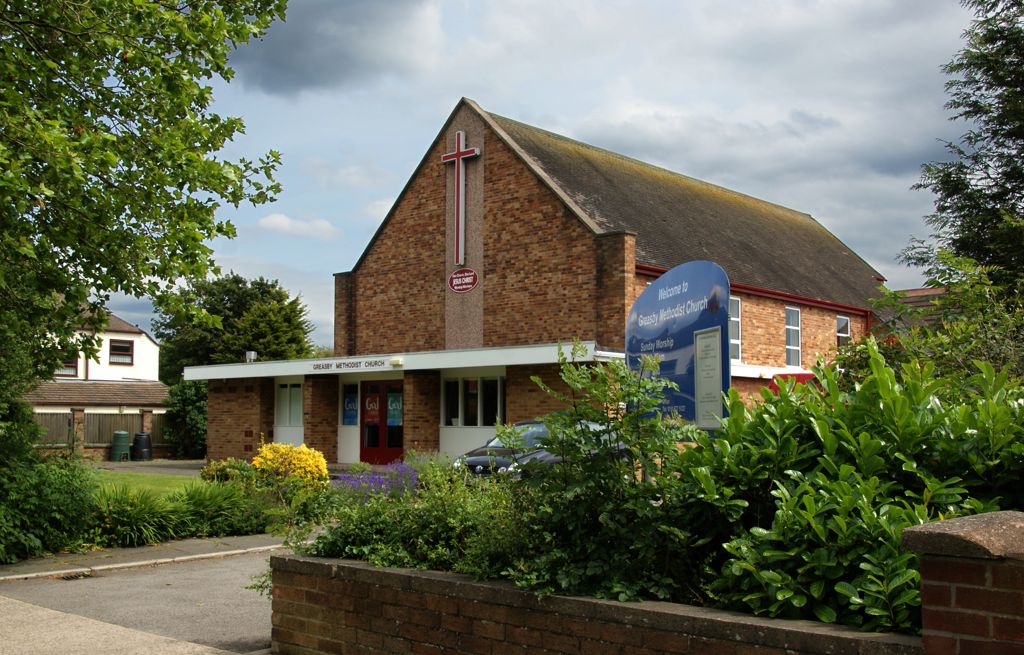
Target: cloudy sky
826,106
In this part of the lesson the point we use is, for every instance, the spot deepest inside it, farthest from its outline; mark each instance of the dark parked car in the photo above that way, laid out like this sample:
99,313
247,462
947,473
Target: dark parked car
495,456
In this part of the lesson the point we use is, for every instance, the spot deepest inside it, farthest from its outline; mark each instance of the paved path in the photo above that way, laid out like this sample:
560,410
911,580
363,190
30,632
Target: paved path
182,597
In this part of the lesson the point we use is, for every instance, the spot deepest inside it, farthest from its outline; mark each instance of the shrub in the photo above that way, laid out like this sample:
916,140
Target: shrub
129,517
220,509
394,479
279,461
229,470
44,506
186,418
444,524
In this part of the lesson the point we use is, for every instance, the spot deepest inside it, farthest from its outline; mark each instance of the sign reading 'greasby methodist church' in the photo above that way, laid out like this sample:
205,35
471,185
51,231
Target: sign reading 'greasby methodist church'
682,319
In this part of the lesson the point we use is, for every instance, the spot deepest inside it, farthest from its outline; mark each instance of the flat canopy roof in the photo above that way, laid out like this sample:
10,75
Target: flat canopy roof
417,361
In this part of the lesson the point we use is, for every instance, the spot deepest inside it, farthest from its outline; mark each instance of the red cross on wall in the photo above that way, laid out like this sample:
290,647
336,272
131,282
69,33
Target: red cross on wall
461,153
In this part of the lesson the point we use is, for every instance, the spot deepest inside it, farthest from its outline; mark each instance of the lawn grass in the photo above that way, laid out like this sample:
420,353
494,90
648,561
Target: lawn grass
157,482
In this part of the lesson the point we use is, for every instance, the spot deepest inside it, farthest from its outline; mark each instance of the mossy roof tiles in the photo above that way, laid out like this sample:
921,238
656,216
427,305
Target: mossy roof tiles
678,219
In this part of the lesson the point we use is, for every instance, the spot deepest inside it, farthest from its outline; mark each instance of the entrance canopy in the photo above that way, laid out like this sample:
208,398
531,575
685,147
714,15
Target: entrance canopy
417,361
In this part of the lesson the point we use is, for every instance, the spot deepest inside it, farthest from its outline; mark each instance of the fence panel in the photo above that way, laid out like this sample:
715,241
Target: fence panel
157,433
100,428
57,428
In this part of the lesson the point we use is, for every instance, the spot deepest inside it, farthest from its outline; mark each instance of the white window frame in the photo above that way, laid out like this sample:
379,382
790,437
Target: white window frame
739,328
796,328
479,399
849,330
284,404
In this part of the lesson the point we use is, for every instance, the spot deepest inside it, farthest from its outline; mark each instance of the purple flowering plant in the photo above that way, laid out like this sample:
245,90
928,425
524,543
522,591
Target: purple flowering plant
395,479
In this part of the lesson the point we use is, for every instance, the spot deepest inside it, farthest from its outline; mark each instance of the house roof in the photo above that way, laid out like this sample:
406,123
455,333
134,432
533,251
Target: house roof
118,324
82,393
678,219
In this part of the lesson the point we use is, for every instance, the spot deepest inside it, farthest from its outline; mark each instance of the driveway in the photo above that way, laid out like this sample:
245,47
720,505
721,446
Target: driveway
188,607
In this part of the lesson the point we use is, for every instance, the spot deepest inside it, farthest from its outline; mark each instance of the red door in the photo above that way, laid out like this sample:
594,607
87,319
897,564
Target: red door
380,422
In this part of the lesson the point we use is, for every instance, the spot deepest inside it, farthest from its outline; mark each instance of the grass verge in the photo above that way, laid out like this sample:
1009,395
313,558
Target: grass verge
156,482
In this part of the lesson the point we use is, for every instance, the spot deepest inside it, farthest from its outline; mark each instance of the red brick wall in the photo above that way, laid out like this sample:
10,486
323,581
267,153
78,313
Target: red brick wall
239,411
320,402
400,282
338,606
616,265
344,318
421,411
524,400
541,260
972,583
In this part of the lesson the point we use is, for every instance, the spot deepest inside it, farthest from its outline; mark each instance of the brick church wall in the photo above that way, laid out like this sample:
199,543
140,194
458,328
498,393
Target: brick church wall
239,412
524,399
422,410
540,280
320,414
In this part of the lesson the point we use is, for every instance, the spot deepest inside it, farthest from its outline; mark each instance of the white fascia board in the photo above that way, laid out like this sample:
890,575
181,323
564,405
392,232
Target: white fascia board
763,372
417,361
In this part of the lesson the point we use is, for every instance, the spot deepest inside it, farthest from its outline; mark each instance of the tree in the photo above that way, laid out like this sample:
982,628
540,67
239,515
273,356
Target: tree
979,204
109,174
253,315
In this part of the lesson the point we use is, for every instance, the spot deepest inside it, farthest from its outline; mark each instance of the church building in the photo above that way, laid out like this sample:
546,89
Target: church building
506,242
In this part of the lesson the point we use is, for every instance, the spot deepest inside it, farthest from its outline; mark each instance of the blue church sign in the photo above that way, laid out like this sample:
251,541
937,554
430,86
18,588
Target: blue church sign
682,319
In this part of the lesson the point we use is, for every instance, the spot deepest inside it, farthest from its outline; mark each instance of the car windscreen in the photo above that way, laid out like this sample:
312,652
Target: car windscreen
529,436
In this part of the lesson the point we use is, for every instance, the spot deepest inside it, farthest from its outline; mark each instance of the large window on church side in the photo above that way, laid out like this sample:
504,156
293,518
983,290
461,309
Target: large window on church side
735,332
473,402
288,405
792,336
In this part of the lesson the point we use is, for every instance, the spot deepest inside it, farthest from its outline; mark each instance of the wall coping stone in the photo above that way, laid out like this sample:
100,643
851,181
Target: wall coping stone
796,635
995,535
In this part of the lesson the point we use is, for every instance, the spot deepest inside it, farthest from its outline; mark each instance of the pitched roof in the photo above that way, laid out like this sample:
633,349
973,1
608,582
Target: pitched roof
82,393
678,219
118,324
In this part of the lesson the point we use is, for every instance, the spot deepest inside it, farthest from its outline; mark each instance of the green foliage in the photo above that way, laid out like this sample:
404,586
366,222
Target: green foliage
18,431
109,162
135,517
973,320
584,511
230,469
899,449
448,523
44,506
219,510
979,204
186,418
251,315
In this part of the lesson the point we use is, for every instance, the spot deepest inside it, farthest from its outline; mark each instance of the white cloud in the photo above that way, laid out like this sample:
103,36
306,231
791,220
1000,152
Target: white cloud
316,228
332,177
376,210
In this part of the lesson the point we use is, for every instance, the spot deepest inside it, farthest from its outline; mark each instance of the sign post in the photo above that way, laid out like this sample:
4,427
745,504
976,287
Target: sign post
682,319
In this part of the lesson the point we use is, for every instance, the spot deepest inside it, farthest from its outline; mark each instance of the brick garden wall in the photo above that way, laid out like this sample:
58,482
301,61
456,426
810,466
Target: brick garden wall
340,606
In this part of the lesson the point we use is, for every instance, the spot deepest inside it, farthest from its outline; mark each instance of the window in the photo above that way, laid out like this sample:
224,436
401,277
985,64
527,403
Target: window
288,405
842,330
69,367
792,336
473,402
735,350
122,353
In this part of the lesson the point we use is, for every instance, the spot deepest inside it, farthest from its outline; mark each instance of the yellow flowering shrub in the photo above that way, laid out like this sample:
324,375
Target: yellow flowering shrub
281,460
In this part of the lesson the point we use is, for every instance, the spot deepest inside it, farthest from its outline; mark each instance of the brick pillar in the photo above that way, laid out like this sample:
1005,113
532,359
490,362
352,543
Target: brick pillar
421,410
524,400
616,269
320,414
344,315
78,430
146,420
972,583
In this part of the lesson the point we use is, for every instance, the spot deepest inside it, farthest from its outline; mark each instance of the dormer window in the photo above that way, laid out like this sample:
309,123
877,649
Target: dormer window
122,353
